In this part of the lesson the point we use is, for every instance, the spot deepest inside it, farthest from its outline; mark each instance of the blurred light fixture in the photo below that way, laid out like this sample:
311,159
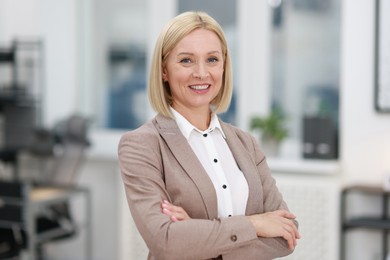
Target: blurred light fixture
274,3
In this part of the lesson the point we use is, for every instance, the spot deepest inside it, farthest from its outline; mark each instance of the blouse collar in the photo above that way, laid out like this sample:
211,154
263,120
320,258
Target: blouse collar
186,127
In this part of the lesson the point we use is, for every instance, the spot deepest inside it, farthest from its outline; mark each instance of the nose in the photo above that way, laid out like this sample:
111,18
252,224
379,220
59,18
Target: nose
200,70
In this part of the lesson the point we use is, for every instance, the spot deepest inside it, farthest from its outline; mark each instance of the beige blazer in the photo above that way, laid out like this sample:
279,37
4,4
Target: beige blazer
157,163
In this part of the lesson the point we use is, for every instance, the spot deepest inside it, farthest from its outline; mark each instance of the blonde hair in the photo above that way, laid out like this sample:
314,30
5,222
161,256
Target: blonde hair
159,93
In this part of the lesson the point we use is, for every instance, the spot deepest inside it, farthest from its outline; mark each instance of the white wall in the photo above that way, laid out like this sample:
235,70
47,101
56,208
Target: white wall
365,134
58,21
56,24
11,12
254,96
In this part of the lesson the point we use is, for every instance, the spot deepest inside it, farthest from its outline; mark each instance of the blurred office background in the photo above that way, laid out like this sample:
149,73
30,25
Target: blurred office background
313,61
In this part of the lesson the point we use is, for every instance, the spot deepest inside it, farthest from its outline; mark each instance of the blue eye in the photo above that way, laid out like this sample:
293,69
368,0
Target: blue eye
212,60
185,60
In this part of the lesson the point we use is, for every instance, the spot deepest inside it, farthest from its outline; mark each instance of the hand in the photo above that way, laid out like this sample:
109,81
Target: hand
174,212
279,223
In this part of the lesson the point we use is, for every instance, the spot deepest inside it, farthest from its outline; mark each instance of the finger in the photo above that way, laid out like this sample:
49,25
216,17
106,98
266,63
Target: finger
287,214
292,224
295,229
290,234
287,236
165,204
296,232
167,211
169,207
290,240
174,219
294,237
173,208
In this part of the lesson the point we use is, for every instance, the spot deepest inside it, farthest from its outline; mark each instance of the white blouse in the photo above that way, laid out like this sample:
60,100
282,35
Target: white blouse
214,153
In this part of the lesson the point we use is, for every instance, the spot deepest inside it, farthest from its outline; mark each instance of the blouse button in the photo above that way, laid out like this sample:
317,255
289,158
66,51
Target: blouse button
224,186
233,238
205,135
215,160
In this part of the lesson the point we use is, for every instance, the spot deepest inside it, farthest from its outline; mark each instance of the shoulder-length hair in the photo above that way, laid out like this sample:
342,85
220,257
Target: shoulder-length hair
158,91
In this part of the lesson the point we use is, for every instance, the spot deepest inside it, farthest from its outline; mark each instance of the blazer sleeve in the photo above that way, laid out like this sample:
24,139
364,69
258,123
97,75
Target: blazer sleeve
141,165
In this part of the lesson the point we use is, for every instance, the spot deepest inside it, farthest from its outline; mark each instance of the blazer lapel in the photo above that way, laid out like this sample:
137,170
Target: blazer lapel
249,169
183,153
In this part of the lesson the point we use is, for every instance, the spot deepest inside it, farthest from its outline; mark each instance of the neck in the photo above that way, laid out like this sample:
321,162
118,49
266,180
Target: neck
202,122
199,118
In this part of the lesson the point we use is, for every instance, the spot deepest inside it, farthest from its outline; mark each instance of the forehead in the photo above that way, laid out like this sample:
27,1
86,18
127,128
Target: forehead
199,40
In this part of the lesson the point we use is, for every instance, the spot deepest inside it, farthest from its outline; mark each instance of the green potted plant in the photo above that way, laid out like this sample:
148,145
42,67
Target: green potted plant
272,130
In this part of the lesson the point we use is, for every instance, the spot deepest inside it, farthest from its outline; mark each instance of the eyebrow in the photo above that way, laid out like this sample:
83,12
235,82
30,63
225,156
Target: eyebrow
190,53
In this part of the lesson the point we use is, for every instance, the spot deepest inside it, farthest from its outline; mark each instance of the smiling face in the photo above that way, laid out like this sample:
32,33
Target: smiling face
194,71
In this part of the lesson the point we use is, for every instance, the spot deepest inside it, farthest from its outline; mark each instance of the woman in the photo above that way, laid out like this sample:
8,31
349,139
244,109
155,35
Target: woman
199,188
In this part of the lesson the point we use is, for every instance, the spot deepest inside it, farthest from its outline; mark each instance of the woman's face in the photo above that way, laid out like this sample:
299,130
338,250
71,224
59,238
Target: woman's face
194,70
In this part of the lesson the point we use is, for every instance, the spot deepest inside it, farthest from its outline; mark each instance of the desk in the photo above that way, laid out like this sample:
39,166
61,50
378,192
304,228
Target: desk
45,196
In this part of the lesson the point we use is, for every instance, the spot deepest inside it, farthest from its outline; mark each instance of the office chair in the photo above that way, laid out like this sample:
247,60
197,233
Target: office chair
71,134
66,144
70,141
13,206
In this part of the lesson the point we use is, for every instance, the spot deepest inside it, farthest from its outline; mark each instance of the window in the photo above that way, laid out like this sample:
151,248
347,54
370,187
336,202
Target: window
305,54
115,94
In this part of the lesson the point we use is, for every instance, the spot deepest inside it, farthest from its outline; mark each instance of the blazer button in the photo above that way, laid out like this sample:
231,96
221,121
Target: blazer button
233,238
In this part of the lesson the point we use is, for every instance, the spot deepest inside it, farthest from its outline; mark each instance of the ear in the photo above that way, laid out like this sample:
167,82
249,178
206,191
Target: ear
164,75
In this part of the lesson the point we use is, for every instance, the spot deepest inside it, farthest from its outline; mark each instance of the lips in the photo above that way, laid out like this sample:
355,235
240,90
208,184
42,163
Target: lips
200,87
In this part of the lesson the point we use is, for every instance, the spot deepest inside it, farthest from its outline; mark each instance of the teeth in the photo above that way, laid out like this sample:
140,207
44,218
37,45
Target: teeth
199,87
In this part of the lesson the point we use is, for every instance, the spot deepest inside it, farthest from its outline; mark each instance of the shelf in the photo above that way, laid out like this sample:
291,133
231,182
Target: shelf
380,222
304,166
367,222
369,189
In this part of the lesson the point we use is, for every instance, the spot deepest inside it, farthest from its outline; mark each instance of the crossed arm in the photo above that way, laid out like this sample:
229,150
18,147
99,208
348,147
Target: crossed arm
279,223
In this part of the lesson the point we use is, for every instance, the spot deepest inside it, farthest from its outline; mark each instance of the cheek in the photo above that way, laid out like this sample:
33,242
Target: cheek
218,74
180,75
